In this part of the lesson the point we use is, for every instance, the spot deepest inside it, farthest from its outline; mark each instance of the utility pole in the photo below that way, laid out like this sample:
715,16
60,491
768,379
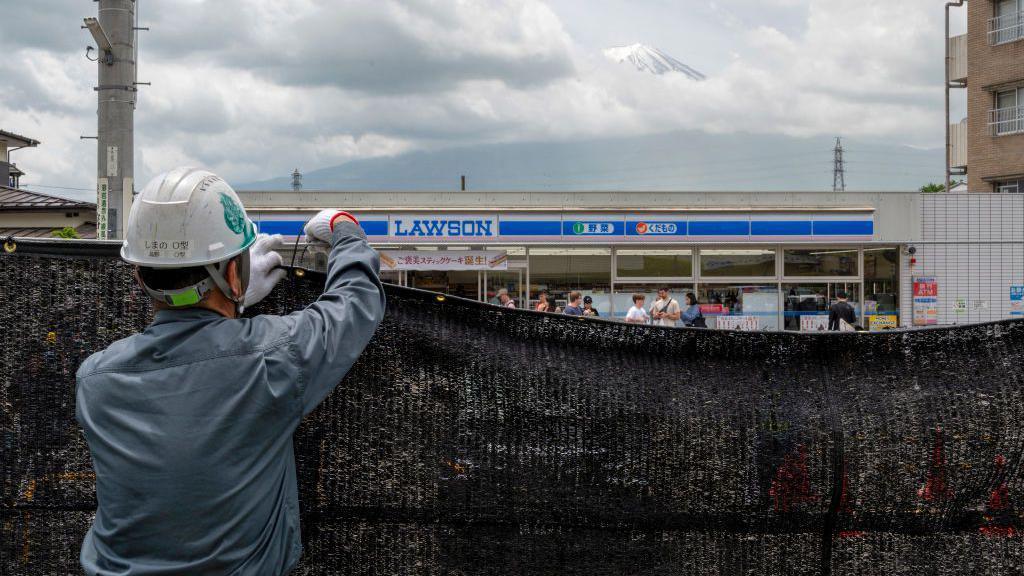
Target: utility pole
838,168
296,181
115,34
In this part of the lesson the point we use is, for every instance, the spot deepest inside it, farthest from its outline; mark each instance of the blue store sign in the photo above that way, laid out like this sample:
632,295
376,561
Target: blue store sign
524,226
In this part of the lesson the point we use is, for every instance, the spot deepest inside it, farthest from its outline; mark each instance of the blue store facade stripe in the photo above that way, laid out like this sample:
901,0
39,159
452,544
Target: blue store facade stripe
719,228
530,227
294,227
781,228
844,227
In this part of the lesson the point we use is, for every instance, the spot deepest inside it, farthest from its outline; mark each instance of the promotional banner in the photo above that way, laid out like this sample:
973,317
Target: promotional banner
926,301
443,260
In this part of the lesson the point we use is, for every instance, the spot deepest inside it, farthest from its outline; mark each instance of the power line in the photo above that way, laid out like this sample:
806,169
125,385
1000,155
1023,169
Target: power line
56,187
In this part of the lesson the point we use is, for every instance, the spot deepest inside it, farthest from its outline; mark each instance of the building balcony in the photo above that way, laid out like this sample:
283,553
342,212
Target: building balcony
1006,28
958,59
1006,121
958,147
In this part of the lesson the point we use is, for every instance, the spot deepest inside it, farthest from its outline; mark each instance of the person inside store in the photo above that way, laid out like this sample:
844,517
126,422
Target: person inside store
573,308
841,311
637,314
504,300
190,422
588,307
542,302
692,316
665,311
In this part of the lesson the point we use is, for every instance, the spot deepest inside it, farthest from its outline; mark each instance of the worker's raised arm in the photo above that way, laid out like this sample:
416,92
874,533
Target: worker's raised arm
329,335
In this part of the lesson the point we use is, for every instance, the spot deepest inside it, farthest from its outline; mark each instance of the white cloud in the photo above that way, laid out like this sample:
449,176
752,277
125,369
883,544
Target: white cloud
254,89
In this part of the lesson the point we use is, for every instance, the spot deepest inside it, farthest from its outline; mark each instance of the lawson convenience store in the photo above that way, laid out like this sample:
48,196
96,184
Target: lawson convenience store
757,262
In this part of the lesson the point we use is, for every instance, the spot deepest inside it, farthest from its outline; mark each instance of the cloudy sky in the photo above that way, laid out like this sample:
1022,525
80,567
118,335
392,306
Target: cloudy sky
252,88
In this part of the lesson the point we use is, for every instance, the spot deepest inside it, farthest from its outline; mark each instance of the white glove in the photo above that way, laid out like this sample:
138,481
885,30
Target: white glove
264,267
318,229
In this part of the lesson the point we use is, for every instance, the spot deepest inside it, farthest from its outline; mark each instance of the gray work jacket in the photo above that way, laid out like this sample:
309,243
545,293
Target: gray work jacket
190,425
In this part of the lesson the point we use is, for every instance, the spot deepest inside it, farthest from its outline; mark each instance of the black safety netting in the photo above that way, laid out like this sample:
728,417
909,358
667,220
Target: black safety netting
472,439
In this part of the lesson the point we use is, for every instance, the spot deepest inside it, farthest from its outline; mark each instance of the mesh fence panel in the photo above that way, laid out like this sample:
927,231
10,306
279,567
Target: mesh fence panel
471,439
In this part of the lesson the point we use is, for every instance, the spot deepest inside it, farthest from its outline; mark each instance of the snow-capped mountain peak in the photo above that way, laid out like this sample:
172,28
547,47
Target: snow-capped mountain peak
650,59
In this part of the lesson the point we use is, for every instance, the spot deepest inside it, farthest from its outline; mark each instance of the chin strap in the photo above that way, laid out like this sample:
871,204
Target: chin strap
216,272
194,294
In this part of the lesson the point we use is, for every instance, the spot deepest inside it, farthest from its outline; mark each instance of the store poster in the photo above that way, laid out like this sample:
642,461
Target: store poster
814,323
879,322
960,306
926,301
744,323
1017,300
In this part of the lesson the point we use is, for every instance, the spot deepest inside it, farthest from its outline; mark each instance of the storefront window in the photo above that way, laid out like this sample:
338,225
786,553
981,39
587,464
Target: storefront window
463,283
510,280
881,286
741,307
623,297
820,262
806,305
562,270
731,263
630,263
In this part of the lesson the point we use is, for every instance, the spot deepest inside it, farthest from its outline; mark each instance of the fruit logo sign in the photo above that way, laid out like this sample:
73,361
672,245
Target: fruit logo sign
657,228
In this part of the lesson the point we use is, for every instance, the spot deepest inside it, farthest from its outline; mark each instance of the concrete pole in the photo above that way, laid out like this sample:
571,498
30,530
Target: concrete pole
116,90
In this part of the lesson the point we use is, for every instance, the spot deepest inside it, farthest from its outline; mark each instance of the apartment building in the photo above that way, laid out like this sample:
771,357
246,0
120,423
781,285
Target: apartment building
988,61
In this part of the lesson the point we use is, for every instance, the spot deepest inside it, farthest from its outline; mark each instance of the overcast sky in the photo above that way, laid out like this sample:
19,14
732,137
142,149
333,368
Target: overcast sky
253,89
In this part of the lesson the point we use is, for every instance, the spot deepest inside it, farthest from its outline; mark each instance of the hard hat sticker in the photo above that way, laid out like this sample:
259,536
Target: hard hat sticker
235,218
177,249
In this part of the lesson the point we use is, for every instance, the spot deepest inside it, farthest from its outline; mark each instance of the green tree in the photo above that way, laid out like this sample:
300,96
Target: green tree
67,233
933,188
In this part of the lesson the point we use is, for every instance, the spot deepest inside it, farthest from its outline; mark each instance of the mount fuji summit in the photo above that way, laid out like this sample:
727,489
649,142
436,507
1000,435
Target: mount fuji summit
650,59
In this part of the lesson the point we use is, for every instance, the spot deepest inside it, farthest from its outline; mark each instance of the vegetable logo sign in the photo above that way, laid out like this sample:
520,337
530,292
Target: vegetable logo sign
598,228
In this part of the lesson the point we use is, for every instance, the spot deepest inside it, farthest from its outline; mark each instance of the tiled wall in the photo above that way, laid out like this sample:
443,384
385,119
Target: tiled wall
973,244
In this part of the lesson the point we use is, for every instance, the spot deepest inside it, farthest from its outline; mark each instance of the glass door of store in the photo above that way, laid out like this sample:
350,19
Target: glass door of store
511,280
806,305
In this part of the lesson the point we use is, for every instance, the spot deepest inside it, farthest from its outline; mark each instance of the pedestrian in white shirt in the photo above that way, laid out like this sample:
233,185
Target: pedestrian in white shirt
637,314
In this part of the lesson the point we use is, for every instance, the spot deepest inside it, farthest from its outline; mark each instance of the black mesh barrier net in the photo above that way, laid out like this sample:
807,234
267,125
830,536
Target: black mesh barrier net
471,439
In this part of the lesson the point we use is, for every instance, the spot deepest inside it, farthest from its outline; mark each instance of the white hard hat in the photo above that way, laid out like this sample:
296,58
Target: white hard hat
188,217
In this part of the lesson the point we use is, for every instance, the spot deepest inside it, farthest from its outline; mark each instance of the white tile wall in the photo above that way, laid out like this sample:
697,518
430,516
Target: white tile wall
973,244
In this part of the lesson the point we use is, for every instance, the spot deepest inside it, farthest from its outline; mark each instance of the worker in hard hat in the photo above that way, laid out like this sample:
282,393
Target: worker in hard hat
190,422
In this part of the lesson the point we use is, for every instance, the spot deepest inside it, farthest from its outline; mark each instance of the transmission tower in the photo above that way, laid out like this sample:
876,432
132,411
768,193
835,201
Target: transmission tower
296,181
838,168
